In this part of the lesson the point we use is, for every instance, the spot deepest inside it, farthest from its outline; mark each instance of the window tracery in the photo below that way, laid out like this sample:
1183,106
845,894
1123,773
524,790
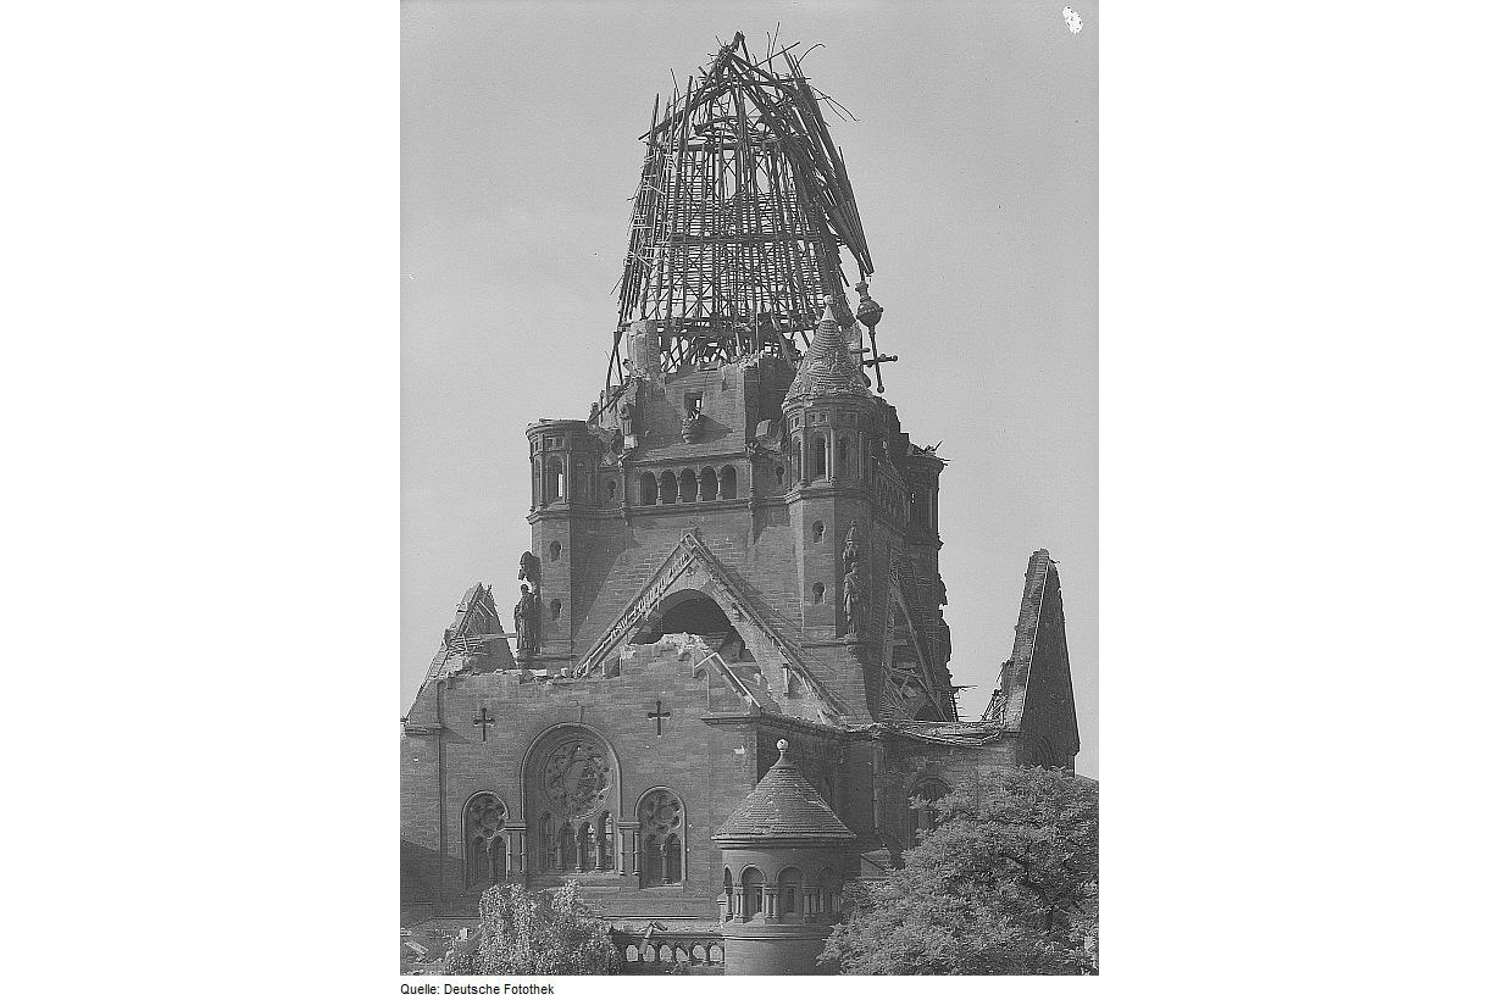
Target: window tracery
485,839
661,830
572,782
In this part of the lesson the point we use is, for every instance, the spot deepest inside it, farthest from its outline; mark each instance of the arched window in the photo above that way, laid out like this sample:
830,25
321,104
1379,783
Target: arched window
708,485
611,488
828,892
661,830
818,530
728,893
484,838
727,487
922,817
817,593
553,483
668,488
819,457
556,609
554,551
843,456
569,850
688,484
606,842
780,475
648,490
580,488
789,886
751,881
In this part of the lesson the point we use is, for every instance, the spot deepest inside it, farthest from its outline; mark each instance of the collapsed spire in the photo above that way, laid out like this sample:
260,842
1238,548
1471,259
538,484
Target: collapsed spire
742,208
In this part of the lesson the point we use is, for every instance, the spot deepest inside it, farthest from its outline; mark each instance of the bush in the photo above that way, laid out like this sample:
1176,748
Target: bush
535,933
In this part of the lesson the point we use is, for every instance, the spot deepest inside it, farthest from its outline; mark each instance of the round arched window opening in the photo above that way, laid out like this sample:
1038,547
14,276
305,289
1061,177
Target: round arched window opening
817,593
817,531
556,609
554,551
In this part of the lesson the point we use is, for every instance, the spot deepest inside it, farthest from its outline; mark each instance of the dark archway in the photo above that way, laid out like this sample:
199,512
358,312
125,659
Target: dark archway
692,612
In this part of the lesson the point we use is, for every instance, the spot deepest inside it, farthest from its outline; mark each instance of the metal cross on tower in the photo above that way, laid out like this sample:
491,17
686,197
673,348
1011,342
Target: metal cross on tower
658,715
484,721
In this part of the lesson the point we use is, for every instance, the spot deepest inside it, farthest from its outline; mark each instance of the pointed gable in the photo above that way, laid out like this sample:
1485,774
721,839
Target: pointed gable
1034,693
691,561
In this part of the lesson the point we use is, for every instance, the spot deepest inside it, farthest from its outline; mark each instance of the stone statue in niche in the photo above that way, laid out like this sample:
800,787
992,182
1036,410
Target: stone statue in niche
531,571
627,425
851,545
852,600
528,622
852,595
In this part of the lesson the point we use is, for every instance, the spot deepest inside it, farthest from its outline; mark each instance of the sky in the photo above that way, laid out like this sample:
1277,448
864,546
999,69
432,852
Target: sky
974,162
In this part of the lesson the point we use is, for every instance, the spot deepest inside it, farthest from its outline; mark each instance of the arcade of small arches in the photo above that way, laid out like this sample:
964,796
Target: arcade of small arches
551,483
687,486
670,949
790,897
821,455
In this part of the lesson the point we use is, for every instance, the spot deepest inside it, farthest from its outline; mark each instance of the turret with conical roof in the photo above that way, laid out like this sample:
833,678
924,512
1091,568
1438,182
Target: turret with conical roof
785,857
828,368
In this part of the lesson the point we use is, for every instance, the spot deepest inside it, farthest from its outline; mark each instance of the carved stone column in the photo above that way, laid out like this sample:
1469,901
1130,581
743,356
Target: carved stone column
628,857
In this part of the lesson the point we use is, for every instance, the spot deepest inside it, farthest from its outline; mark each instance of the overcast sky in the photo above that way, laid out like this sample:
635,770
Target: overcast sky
975,165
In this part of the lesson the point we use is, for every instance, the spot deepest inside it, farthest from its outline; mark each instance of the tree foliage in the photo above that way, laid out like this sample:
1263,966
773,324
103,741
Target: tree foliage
535,933
1007,883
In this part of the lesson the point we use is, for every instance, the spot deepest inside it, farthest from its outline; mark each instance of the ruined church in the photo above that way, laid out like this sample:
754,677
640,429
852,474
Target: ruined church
722,691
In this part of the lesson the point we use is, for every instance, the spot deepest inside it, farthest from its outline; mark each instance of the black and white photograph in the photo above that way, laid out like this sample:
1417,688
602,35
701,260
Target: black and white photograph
749,465
527,498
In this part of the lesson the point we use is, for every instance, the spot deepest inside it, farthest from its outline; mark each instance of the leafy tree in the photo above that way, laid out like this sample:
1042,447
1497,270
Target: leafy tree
1007,883
535,933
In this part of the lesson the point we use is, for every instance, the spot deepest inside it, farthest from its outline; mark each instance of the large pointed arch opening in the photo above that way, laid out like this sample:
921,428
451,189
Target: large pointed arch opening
694,612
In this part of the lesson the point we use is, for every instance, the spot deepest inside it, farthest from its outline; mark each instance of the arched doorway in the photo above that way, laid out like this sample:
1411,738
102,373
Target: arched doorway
572,788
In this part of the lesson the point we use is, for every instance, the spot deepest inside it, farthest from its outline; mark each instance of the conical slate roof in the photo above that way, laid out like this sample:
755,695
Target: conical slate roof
783,807
826,368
